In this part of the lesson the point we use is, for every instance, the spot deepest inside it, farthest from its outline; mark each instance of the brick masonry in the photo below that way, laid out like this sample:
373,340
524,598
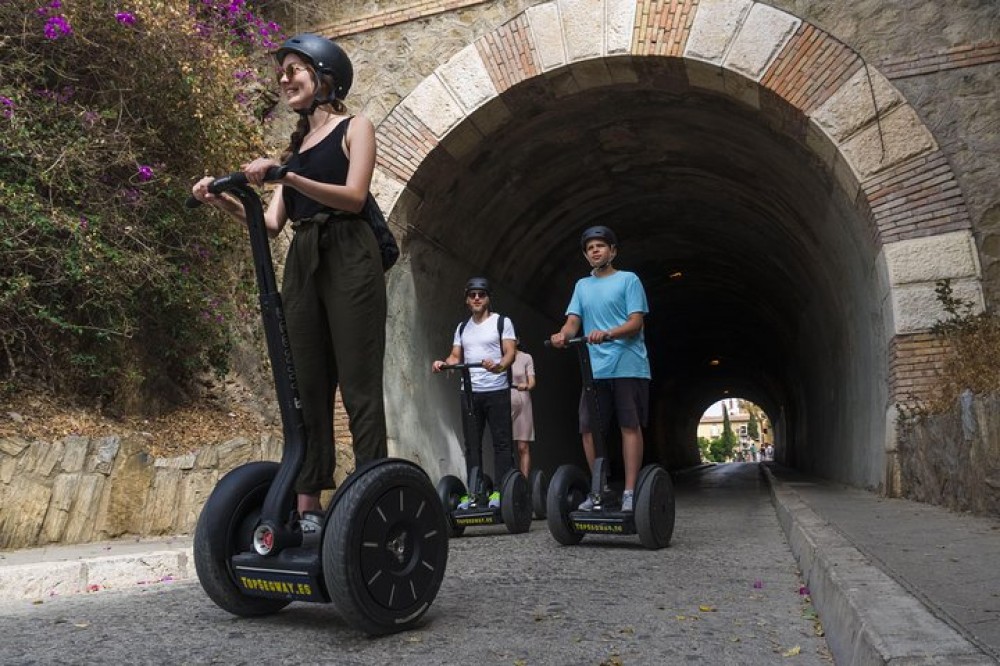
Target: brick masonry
939,61
917,198
662,27
810,68
400,13
915,361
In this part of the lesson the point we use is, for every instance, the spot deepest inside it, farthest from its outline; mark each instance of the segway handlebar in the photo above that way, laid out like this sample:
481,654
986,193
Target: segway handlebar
234,180
580,340
462,366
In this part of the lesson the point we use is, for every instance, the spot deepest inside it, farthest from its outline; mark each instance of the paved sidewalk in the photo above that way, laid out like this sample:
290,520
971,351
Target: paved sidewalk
894,581
39,573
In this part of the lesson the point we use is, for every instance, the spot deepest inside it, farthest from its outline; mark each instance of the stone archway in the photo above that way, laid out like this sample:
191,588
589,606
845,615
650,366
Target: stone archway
796,80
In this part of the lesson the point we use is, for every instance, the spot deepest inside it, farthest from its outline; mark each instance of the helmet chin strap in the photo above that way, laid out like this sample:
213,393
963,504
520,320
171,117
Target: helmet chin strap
317,102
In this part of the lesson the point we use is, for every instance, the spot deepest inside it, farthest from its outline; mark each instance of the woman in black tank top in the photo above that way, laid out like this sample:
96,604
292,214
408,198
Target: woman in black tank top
333,289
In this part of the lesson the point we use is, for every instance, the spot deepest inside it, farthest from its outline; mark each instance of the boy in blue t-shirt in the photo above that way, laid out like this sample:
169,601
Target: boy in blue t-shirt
611,305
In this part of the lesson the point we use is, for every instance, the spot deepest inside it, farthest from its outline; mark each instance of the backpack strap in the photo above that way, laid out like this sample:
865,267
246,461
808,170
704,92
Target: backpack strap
461,330
510,372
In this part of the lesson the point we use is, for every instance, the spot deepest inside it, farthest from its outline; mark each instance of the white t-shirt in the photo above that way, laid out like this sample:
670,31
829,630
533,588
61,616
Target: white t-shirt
480,342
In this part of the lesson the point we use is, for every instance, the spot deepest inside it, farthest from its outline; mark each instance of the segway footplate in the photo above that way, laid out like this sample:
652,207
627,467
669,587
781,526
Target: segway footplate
602,522
476,517
293,575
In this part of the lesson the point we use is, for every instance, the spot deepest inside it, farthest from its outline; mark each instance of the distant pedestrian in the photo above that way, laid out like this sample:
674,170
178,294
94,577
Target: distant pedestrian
523,375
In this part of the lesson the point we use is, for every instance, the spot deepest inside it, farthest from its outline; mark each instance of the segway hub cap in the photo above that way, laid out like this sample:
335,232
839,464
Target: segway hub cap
263,539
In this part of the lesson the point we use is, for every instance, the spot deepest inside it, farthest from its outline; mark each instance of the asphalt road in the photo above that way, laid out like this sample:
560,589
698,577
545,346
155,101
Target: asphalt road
727,591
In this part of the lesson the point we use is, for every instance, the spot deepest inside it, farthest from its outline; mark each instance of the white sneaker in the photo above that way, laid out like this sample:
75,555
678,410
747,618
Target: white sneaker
465,502
627,501
587,504
495,500
311,525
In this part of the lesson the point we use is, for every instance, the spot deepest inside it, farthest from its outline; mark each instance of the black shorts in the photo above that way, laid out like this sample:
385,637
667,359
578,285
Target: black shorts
625,397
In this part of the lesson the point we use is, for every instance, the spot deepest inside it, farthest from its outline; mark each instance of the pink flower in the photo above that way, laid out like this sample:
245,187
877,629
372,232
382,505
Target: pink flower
125,18
145,173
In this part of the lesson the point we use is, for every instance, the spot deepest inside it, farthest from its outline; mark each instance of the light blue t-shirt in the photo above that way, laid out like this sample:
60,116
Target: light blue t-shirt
604,303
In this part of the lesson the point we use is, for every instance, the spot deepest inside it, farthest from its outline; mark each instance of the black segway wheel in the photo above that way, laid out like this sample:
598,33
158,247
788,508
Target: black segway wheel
539,485
515,502
450,490
225,527
385,548
654,507
568,489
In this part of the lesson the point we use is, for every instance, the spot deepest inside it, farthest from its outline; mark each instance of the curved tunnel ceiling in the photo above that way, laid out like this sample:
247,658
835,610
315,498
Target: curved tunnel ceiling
734,228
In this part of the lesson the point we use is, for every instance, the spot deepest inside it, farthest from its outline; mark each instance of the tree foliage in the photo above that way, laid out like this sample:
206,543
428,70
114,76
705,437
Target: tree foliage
109,287
753,429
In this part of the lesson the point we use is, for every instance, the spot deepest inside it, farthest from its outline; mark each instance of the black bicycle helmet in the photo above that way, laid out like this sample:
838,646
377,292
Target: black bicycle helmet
477,284
327,57
603,233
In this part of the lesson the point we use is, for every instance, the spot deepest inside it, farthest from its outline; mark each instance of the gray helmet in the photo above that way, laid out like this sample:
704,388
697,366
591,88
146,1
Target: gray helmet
603,233
477,284
327,57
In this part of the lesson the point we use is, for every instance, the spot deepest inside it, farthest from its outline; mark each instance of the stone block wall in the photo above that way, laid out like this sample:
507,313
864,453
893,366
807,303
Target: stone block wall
83,489
79,489
953,459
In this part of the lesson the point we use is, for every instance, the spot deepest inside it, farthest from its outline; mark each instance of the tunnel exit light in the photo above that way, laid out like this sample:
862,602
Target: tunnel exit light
714,361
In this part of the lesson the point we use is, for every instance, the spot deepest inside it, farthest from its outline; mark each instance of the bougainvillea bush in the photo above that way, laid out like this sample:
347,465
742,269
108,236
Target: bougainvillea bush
110,288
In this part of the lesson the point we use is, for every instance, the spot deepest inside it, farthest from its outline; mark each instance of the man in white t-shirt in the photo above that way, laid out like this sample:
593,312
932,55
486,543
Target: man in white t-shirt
489,339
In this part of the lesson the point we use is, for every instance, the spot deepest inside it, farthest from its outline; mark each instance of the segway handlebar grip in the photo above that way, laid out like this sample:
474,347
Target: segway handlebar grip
236,179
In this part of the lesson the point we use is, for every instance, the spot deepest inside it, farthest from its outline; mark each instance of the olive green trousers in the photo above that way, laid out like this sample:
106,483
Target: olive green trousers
333,294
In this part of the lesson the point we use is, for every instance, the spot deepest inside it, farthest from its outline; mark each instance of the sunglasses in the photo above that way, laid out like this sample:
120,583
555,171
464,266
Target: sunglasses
477,294
290,70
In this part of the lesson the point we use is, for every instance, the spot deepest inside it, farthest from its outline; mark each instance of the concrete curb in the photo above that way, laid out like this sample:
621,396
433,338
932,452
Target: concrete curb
40,580
868,617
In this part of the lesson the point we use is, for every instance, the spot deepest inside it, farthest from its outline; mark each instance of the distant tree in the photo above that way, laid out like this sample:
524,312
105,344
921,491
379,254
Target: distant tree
753,431
705,447
721,448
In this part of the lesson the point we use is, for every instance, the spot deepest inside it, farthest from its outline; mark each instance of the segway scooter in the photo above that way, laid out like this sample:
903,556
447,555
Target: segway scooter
652,517
515,504
382,552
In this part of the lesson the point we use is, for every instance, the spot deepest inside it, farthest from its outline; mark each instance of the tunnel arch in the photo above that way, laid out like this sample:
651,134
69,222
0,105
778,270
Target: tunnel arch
731,145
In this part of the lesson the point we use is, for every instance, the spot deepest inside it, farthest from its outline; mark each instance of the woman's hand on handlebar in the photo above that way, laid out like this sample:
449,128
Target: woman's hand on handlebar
558,340
256,171
200,192
436,366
